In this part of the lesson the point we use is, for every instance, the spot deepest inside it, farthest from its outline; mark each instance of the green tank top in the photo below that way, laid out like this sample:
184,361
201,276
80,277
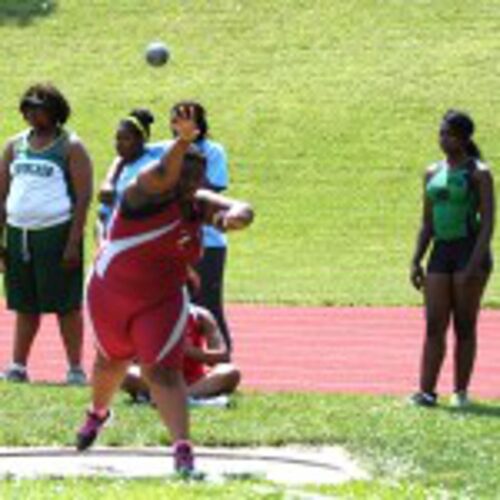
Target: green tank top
454,202
40,193
56,152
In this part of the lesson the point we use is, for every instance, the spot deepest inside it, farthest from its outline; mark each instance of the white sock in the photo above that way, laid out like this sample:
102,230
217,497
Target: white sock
18,366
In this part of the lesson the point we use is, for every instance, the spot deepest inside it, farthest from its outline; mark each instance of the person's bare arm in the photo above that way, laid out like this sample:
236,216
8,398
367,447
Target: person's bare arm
80,172
107,190
224,213
424,237
215,350
5,161
163,176
484,183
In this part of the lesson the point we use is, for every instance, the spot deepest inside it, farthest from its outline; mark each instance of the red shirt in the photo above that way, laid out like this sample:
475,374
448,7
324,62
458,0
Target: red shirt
147,256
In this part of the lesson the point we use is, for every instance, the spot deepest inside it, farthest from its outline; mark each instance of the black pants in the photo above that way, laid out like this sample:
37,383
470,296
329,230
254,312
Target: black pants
211,296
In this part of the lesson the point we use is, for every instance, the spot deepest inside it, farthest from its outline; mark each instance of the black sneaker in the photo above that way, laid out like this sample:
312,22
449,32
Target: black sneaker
90,430
16,373
76,376
427,399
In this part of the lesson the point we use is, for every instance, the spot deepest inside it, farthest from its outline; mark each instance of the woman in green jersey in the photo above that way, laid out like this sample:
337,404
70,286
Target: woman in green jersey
458,218
45,191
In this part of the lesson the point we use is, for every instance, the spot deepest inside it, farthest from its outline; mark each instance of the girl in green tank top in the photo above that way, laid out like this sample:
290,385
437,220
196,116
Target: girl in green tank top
454,201
458,219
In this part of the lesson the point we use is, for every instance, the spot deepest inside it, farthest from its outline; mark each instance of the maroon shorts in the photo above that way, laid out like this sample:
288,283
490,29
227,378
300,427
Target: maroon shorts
126,328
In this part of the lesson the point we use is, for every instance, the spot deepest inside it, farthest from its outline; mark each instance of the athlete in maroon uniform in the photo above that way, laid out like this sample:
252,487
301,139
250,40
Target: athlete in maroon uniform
140,271
137,301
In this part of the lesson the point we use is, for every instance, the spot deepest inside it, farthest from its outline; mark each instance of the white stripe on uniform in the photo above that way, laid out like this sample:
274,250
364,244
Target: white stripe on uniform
112,248
178,330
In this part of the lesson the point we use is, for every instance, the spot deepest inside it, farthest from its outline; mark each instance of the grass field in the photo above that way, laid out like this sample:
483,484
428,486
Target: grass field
410,453
329,111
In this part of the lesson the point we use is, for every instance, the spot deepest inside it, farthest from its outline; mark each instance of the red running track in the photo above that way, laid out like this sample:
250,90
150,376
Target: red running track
349,350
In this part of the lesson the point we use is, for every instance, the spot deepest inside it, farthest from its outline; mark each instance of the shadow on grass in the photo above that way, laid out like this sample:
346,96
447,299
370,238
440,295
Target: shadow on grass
476,409
23,12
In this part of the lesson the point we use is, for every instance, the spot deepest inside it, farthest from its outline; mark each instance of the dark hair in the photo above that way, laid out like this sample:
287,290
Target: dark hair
461,123
139,120
48,97
200,115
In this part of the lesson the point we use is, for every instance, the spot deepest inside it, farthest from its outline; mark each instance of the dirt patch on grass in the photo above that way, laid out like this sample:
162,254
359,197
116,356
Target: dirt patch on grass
289,465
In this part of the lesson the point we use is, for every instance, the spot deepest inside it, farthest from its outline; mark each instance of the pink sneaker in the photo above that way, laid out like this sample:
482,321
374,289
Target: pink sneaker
183,458
90,430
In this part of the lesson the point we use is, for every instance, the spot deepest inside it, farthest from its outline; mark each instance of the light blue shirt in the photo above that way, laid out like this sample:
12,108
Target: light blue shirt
152,152
217,178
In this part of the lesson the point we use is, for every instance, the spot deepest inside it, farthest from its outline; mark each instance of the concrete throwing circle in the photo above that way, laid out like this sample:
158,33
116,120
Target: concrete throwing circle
289,465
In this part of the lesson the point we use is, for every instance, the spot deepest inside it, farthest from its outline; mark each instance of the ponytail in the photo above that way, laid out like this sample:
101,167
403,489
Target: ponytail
463,125
473,150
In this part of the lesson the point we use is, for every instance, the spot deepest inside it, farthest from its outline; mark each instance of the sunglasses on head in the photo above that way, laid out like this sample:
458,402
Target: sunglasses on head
33,102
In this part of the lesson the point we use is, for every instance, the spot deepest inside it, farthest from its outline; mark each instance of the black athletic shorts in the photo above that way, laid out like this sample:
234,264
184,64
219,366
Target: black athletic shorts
448,257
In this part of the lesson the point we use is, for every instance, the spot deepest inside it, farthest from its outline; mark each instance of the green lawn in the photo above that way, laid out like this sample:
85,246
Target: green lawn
410,452
329,111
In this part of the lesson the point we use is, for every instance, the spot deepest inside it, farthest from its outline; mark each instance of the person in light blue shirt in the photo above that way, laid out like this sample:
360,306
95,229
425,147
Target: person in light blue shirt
211,267
134,154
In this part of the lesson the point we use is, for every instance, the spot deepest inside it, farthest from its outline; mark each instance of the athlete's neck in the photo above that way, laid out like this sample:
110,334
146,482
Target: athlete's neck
457,160
41,137
134,156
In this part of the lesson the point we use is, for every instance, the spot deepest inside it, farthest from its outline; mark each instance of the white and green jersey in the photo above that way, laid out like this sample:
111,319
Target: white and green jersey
39,193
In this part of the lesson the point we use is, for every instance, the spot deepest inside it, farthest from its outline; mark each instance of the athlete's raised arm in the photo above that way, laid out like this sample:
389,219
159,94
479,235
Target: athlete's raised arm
163,176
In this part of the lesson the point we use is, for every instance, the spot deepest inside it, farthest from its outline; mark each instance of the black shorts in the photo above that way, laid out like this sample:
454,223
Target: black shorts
449,257
35,281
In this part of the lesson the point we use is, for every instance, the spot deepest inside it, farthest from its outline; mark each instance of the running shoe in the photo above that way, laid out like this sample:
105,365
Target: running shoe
221,401
76,376
427,399
90,430
460,399
16,373
183,458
